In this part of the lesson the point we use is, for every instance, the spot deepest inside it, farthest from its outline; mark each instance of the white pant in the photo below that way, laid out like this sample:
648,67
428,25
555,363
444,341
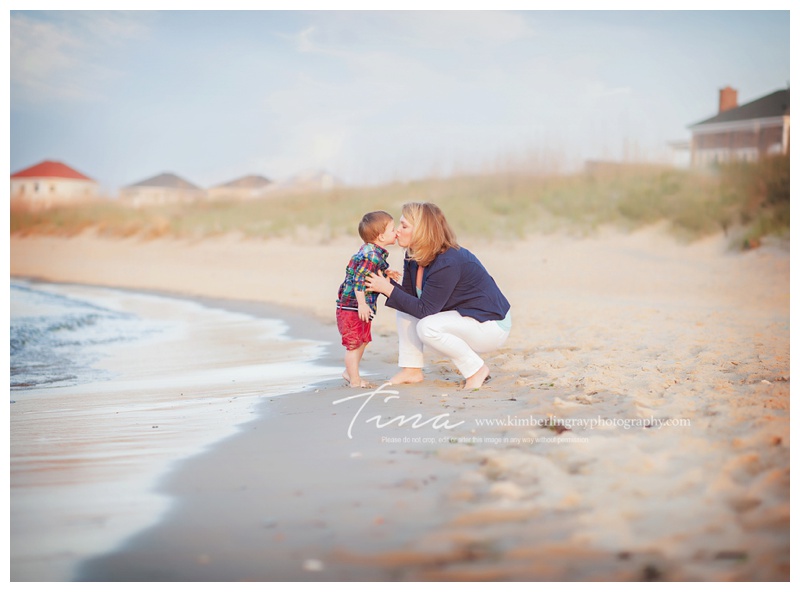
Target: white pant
457,337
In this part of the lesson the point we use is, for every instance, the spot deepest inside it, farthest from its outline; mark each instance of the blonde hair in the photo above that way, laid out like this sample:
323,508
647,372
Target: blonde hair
373,224
431,235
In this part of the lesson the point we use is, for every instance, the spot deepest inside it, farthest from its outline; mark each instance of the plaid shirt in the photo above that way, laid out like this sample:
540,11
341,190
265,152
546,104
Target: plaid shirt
369,259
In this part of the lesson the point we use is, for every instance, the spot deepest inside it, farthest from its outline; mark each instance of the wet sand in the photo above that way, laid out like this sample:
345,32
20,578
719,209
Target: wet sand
86,457
667,364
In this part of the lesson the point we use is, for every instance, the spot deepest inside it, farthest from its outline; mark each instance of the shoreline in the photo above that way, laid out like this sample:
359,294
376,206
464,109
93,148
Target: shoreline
94,440
615,328
302,324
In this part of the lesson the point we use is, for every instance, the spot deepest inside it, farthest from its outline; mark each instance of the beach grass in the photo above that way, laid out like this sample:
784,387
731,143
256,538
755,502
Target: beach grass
745,200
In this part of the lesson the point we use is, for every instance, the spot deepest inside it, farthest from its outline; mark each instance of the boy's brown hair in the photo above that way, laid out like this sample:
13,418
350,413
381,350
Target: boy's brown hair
373,224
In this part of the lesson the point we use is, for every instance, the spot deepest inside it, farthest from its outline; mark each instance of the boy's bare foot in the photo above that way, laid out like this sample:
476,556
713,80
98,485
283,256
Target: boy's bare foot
408,376
360,383
476,381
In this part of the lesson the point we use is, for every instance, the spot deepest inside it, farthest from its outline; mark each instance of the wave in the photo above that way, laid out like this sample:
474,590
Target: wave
54,338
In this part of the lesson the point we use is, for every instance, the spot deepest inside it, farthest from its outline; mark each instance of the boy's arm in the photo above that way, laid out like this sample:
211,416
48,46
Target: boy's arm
368,264
364,311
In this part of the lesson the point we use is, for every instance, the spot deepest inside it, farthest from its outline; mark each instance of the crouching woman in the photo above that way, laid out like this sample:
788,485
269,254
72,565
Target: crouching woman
447,301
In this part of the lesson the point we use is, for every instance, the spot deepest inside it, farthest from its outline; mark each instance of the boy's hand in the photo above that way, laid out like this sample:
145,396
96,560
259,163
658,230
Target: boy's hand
364,312
394,274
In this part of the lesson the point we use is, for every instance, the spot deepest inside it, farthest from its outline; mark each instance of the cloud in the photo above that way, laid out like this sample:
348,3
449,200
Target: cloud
600,91
41,57
459,29
389,80
357,82
333,32
61,56
303,41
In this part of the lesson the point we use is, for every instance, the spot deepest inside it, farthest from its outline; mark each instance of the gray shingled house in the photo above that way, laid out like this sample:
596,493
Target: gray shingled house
161,189
243,188
742,132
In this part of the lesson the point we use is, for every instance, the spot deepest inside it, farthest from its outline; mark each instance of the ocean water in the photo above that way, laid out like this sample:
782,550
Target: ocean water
109,390
56,338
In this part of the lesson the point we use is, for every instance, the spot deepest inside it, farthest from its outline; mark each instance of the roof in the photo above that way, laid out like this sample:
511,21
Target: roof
772,105
50,169
165,180
314,178
248,182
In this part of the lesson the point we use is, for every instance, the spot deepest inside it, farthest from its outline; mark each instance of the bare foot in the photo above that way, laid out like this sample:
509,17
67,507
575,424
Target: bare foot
360,383
476,381
408,376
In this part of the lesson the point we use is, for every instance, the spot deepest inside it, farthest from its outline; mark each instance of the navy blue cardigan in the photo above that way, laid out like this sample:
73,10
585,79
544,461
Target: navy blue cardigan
455,280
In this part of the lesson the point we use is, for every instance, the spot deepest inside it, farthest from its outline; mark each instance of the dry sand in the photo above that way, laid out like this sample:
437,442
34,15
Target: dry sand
621,330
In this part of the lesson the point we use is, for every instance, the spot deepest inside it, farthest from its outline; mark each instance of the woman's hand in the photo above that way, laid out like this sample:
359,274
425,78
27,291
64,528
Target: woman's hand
379,283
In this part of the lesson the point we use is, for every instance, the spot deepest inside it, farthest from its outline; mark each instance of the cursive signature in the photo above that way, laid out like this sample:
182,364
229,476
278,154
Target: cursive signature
437,422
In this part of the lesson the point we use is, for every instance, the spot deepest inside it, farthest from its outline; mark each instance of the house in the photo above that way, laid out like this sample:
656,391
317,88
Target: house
249,187
161,189
51,183
312,180
742,132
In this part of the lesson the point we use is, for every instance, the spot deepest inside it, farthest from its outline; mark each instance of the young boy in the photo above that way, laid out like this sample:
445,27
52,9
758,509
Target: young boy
355,306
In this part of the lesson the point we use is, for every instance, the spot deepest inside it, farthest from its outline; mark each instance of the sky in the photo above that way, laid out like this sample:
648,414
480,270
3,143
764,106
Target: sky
372,97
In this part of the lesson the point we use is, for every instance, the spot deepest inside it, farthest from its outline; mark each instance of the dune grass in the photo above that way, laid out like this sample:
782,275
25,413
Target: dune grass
746,200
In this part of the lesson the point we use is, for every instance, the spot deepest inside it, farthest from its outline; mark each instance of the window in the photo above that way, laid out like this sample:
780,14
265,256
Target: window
775,149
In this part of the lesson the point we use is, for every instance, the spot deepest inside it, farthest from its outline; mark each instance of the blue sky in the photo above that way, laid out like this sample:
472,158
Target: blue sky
372,96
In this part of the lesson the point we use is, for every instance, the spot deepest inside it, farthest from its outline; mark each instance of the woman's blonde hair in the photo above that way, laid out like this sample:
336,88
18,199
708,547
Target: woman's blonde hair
432,234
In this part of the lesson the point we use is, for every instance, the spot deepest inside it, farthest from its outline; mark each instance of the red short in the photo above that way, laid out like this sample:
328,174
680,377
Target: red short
355,332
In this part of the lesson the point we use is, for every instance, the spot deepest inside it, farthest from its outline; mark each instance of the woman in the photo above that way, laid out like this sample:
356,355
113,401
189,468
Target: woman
447,299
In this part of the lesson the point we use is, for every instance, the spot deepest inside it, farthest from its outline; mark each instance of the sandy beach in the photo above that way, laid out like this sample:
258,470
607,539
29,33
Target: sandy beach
636,426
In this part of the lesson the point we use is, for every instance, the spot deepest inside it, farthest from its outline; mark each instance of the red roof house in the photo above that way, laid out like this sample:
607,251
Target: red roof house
51,183
50,169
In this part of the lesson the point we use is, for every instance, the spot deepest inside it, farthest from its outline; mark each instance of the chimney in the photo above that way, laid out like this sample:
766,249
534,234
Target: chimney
728,99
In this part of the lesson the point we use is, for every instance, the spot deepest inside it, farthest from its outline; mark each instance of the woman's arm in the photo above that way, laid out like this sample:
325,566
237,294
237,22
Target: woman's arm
378,282
439,286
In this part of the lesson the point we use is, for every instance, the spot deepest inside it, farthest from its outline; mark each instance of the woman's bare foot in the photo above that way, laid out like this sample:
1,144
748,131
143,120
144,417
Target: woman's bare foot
360,383
407,376
476,381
